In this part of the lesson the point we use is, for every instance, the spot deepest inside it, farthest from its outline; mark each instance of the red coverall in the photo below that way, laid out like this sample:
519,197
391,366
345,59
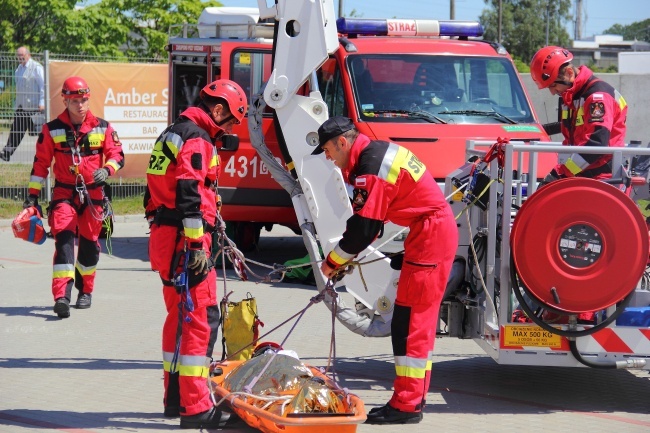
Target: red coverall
391,184
593,113
94,145
181,182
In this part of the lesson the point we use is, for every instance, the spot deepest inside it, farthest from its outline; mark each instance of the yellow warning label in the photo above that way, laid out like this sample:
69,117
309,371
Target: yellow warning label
521,335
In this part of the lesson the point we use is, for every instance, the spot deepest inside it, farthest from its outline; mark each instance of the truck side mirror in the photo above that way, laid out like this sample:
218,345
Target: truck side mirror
230,142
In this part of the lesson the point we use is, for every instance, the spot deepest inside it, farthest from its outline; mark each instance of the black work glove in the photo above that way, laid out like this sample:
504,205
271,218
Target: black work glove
100,175
553,175
198,262
30,201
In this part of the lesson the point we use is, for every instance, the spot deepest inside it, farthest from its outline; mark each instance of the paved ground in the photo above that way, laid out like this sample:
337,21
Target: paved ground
100,370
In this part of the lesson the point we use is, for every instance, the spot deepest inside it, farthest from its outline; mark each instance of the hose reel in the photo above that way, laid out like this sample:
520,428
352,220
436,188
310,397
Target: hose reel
578,245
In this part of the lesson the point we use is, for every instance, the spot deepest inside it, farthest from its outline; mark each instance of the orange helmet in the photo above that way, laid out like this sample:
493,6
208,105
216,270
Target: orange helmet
75,87
232,93
546,64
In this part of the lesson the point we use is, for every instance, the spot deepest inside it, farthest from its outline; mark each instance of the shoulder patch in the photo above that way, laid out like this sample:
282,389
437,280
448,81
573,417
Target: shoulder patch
596,111
598,97
116,139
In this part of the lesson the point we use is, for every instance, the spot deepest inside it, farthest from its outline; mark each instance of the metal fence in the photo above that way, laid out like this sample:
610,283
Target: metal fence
14,175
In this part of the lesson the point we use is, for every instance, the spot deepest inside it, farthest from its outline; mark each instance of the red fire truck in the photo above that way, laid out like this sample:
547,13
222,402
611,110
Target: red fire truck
428,93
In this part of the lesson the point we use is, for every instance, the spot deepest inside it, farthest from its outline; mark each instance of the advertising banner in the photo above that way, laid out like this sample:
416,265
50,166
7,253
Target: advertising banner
133,97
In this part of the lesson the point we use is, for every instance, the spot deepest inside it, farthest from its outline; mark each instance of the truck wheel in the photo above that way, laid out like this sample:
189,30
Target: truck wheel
246,235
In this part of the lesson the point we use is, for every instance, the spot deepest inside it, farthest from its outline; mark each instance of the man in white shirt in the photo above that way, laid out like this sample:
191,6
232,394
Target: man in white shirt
30,100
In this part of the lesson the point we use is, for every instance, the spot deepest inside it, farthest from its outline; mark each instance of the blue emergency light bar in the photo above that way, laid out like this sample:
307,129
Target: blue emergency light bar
408,27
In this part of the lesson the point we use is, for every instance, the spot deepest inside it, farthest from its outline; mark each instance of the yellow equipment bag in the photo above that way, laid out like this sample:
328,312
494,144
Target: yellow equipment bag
239,328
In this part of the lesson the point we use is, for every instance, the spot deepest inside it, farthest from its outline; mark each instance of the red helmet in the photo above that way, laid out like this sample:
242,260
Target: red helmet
75,87
28,226
546,63
232,93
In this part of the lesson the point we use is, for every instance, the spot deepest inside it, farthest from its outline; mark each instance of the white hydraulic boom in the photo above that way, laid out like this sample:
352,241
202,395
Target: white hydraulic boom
306,35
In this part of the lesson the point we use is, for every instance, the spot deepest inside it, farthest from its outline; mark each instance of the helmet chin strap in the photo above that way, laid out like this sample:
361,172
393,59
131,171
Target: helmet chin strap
226,120
564,83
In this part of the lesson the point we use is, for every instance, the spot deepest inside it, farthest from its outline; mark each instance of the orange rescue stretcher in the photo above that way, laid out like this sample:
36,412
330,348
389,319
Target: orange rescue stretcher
310,402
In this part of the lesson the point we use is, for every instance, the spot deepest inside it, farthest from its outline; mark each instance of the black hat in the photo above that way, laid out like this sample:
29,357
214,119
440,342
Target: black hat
332,127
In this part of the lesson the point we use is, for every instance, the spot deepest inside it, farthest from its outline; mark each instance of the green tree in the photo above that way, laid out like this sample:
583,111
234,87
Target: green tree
639,30
149,21
115,28
524,22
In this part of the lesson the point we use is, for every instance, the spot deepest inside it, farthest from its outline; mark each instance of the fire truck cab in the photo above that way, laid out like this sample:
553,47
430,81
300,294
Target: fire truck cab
394,79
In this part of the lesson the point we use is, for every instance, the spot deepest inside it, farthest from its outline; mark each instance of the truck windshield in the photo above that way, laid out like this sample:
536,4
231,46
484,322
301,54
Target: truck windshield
454,89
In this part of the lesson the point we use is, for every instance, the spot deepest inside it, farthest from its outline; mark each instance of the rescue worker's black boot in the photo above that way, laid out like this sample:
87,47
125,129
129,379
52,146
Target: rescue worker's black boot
389,415
211,418
84,300
62,308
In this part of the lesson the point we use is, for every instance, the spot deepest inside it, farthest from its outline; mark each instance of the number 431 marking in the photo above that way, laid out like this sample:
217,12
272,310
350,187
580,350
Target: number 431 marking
241,166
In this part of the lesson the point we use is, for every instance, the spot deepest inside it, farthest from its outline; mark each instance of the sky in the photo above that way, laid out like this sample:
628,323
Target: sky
599,14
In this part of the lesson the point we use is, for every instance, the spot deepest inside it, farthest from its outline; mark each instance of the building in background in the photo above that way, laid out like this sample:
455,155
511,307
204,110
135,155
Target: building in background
602,50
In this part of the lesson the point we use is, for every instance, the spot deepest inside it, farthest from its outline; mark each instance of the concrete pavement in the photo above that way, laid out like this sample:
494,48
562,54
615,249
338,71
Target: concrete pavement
100,369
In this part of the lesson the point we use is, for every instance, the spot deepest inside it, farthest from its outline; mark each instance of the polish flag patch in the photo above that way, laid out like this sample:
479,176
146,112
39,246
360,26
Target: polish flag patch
598,97
360,181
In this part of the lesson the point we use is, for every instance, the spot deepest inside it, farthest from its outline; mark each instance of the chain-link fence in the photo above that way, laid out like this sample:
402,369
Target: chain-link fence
14,174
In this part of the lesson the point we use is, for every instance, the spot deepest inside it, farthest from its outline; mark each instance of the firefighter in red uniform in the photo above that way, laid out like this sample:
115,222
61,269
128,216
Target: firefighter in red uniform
592,113
85,150
181,203
391,184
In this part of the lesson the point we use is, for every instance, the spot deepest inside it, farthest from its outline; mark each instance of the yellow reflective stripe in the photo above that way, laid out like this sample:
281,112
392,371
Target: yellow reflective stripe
35,185
214,161
291,165
58,135
417,373
193,228
396,159
338,256
580,117
63,271
193,371
85,270
167,366
412,367
193,233
114,164
621,100
63,274
572,166
565,114
193,365
388,171
174,142
168,357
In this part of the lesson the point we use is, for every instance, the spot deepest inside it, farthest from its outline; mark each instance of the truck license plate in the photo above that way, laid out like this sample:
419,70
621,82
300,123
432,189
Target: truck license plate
534,336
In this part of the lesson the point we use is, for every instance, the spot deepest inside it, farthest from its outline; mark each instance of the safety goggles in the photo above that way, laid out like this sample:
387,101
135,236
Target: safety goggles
76,92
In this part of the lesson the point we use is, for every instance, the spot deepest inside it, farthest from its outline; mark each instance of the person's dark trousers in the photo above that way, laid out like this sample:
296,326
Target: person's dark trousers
21,124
